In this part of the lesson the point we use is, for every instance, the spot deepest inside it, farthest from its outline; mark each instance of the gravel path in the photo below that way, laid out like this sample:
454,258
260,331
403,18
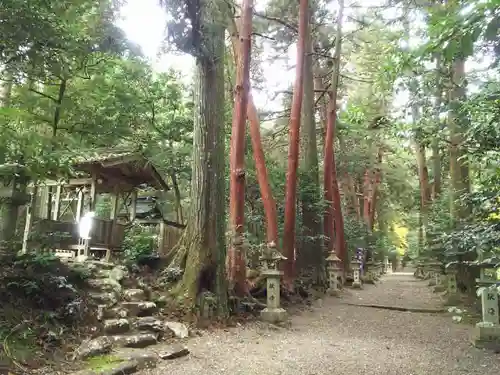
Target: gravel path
338,339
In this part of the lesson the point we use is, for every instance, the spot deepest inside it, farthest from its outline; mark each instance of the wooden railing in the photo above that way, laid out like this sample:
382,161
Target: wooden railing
59,234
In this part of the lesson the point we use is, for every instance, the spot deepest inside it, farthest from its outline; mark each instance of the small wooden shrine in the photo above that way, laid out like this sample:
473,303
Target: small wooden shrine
58,204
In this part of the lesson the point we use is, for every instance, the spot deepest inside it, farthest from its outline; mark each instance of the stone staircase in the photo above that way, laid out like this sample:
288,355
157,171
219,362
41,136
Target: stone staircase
129,319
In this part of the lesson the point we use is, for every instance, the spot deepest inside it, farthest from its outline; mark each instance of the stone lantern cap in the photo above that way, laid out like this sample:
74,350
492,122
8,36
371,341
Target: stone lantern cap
272,255
355,261
333,258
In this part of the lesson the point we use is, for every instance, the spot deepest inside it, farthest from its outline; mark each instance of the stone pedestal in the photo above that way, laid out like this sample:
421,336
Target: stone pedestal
389,267
487,337
273,313
356,282
333,264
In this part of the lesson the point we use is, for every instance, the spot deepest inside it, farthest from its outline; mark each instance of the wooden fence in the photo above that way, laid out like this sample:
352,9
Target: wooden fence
171,236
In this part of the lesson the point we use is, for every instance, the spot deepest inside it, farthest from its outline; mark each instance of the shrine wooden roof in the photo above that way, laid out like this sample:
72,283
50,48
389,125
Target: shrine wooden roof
127,169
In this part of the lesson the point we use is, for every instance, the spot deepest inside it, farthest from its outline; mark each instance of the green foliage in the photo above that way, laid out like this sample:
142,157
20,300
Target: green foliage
139,242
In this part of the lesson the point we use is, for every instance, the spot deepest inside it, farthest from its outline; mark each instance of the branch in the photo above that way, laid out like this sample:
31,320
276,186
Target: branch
43,94
356,79
264,36
277,20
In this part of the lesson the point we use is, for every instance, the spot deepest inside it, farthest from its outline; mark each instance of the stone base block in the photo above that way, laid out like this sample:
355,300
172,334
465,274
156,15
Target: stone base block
439,289
333,292
486,337
273,315
452,299
357,285
432,282
368,280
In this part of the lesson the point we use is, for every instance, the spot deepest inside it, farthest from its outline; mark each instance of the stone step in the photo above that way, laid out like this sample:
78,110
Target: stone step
139,308
134,295
165,329
104,298
115,326
138,340
150,324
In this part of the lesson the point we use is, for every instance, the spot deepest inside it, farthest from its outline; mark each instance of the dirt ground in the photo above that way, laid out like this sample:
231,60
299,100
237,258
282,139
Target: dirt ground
334,338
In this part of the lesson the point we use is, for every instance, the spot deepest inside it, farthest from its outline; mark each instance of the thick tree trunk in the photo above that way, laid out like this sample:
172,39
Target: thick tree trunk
333,211
293,151
236,254
374,190
202,248
436,155
351,193
321,102
310,255
8,208
268,201
367,193
459,169
423,174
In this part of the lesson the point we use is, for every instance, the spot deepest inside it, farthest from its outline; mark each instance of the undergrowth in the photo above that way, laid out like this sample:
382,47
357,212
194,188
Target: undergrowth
43,311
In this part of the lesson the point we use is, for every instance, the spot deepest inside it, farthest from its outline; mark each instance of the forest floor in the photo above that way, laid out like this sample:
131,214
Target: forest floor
335,338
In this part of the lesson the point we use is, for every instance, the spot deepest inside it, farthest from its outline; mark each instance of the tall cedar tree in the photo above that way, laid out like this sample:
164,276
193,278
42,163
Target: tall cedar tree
333,212
268,201
236,254
293,151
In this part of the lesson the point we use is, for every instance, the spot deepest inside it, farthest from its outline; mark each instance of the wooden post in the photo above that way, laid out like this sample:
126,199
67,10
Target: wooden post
79,205
114,205
112,216
44,202
57,203
161,236
92,194
133,205
29,219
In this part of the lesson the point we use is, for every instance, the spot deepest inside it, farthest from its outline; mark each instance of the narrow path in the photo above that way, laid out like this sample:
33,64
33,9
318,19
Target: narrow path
335,338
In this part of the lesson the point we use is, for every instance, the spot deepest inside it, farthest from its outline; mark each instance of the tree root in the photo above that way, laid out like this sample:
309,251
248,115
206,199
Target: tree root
399,308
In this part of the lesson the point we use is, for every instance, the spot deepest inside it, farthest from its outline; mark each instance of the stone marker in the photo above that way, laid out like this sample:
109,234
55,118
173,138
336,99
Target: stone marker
487,332
385,265
452,287
356,283
273,313
369,276
333,263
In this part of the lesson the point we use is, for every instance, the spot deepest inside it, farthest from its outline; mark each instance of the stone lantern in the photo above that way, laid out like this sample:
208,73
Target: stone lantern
334,268
385,268
355,266
488,330
271,257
